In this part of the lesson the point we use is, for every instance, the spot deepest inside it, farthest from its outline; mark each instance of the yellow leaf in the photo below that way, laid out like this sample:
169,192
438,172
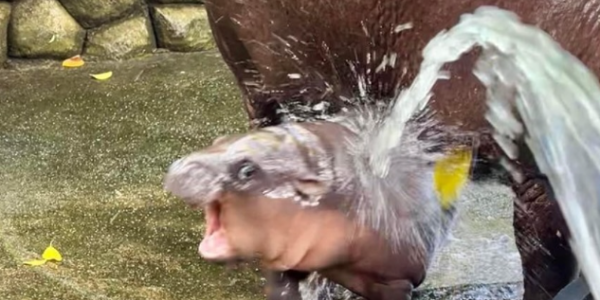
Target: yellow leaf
35,262
51,254
102,76
450,176
73,62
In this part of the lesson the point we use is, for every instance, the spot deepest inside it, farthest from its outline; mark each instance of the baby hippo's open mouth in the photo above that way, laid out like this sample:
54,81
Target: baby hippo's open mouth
214,246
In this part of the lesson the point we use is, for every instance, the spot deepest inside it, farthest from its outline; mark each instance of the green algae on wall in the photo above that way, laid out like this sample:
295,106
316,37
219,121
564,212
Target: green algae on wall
43,29
94,13
128,38
182,27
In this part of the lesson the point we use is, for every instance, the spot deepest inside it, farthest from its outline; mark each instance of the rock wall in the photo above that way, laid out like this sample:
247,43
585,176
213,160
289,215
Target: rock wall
97,30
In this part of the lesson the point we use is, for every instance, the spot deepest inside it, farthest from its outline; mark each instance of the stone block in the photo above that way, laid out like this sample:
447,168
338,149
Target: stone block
94,13
43,29
182,27
122,39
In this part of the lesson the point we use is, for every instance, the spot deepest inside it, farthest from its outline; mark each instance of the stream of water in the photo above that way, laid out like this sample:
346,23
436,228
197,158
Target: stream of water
557,98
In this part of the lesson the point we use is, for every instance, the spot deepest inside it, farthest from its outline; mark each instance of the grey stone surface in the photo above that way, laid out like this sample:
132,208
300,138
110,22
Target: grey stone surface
175,1
43,28
4,18
481,249
93,13
495,291
182,27
122,39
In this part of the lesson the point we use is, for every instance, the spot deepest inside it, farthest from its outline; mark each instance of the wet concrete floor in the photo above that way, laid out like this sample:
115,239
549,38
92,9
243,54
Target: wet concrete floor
81,165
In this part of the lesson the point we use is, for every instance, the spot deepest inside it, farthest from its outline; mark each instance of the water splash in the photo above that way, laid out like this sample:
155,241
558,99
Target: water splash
550,87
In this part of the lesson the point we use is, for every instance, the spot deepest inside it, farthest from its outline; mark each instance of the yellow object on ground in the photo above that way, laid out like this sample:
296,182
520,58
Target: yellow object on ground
50,254
73,62
102,76
451,175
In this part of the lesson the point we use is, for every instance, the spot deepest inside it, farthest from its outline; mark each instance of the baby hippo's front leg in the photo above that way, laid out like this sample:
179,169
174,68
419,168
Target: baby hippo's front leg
370,287
396,290
284,285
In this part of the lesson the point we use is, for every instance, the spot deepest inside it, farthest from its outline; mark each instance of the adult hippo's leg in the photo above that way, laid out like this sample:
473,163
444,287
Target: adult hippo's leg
320,50
542,236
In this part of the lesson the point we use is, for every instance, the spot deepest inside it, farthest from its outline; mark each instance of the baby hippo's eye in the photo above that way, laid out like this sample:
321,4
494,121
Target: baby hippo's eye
246,171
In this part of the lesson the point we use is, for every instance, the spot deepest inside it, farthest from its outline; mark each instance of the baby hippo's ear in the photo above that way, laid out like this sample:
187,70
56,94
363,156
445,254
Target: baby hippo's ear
311,186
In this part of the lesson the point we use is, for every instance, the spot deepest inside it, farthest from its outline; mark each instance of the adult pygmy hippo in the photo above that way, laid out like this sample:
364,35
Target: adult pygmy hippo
301,197
344,52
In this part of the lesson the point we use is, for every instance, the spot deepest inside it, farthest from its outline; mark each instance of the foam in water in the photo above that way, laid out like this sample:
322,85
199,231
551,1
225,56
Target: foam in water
551,87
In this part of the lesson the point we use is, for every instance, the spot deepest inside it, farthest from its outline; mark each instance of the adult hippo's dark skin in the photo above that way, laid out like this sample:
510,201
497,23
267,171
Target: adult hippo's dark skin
309,51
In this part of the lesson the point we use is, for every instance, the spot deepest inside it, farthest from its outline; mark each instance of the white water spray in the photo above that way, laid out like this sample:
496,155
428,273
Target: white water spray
557,97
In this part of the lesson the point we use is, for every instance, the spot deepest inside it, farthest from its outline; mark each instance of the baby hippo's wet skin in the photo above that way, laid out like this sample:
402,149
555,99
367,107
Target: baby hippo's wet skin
291,197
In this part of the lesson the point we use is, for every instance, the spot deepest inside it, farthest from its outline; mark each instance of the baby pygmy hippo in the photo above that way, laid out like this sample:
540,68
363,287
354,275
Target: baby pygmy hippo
300,198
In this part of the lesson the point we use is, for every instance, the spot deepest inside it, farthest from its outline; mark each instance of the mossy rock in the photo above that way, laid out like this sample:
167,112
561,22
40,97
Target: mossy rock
4,18
122,39
94,13
43,29
182,27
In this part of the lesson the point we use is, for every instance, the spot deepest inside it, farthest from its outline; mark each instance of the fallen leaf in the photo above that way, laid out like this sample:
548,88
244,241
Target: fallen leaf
102,76
35,262
51,254
73,62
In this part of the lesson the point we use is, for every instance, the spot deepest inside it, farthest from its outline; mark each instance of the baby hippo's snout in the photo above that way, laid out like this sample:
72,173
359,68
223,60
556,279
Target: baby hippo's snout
194,179
197,181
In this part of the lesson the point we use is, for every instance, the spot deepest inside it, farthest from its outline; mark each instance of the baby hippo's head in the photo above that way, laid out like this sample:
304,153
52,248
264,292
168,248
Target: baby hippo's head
260,193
